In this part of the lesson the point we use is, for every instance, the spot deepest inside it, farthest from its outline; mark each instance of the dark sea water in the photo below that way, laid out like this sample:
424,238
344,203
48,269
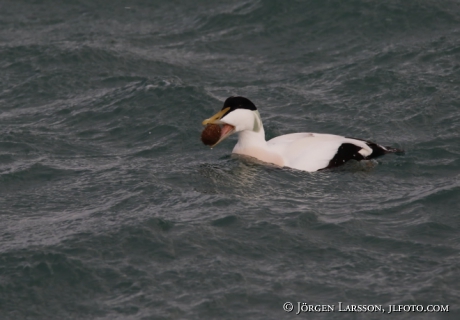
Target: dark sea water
112,208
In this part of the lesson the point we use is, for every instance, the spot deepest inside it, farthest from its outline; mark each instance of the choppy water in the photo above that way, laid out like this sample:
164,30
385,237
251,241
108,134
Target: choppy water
111,208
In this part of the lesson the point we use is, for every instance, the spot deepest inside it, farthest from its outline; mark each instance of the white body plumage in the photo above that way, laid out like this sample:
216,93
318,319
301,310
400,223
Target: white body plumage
302,151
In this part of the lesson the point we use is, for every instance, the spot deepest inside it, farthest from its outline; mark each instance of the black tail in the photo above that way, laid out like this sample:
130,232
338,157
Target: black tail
378,150
393,150
350,151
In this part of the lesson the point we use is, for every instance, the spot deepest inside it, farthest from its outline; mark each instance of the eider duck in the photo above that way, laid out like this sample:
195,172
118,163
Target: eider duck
302,151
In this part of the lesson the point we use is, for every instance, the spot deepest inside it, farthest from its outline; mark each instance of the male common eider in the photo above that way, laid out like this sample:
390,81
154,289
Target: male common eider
302,151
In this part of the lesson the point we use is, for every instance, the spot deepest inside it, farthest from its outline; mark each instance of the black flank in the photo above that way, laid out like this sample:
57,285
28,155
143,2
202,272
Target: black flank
346,152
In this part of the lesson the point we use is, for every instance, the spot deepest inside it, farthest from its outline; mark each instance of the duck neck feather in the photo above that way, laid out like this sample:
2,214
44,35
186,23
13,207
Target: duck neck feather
249,138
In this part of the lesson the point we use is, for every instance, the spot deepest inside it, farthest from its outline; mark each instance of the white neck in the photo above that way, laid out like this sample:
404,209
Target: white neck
250,139
253,144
